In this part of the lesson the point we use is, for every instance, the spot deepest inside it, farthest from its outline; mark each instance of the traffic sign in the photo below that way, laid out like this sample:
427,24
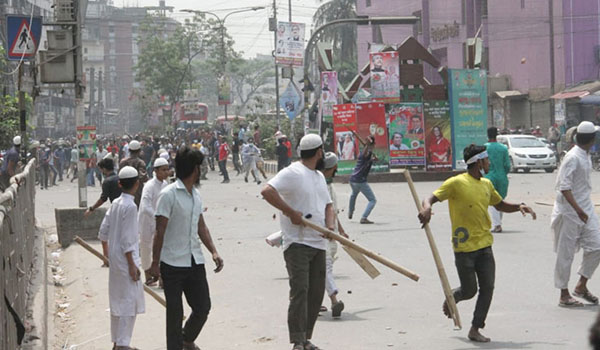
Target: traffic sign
23,34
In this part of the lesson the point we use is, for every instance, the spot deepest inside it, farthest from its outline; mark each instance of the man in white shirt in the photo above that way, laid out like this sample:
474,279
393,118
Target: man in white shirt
297,191
574,221
125,291
177,251
146,220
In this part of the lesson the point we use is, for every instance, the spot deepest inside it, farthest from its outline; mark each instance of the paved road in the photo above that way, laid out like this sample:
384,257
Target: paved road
391,312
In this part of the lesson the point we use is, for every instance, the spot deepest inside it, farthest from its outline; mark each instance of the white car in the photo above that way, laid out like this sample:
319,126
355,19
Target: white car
526,152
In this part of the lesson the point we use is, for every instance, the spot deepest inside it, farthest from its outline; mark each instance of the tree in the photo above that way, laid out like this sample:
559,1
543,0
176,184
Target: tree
9,120
250,78
343,37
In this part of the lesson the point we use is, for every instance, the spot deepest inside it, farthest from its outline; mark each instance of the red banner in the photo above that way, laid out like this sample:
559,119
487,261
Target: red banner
345,143
371,121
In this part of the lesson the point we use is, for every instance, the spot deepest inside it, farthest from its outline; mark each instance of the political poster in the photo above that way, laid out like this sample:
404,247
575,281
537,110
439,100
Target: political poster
407,137
86,142
224,97
291,101
385,77
438,136
289,49
370,118
345,142
468,110
329,92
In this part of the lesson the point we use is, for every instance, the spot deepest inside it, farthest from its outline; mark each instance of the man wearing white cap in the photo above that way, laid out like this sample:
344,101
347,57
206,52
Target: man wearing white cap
469,195
9,167
574,221
146,220
134,160
119,230
297,191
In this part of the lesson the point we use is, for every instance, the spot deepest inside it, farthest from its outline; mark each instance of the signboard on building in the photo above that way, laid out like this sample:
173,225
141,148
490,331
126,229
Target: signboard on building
329,92
559,111
345,143
406,134
385,77
468,110
438,136
289,49
86,142
49,120
23,34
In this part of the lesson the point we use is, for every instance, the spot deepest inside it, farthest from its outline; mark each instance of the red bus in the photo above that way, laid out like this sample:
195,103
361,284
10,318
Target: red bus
193,117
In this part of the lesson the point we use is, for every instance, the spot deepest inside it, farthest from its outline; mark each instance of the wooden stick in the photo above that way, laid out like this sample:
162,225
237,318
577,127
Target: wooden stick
436,256
552,204
363,262
90,249
348,243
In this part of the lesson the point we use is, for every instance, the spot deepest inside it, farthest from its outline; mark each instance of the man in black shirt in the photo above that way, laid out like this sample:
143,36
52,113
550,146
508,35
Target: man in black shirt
110,186
235,151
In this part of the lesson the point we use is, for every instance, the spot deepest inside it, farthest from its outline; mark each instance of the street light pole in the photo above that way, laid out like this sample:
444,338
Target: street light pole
222,25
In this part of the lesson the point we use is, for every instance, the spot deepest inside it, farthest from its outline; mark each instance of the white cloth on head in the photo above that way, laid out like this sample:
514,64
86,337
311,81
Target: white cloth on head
146,219
121,329
303,190
120,229
496,216
570,233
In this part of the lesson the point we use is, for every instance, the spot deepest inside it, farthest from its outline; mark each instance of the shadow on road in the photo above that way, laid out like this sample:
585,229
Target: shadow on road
505,345
347,316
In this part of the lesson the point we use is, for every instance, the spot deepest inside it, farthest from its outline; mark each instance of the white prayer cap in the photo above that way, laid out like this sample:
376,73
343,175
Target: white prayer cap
164,155
161,151
128,172
331,160
310,141
587,128
17,140
160,162
134,145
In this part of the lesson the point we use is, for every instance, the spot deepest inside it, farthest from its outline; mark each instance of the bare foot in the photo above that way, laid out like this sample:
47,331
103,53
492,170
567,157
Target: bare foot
446,310
475,336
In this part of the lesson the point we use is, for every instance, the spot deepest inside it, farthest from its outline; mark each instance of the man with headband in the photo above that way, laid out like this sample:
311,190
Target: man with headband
469,196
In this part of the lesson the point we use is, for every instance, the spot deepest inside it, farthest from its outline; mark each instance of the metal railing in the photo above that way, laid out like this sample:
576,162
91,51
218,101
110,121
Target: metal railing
17,233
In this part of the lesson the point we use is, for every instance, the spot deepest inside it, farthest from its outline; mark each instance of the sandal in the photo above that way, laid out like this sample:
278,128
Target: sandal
570,303
298,347
310,346
587,296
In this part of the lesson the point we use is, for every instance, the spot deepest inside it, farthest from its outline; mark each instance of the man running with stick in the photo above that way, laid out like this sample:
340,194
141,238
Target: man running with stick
469,196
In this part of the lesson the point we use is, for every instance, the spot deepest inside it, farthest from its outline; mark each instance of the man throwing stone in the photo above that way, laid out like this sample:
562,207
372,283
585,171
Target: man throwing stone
297,191
469,196
574,221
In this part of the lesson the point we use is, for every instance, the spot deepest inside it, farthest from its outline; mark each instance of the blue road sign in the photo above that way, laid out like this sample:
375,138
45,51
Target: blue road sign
23,35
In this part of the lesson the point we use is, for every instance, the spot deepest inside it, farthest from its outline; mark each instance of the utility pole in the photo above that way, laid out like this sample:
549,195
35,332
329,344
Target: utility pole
100,112
223,59
91,109
552,66
22,110
276,68
79,108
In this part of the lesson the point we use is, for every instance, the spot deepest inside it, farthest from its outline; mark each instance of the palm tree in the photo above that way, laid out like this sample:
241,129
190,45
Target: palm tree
343,37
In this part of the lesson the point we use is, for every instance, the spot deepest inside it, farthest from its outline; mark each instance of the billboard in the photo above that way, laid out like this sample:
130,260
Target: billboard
224,90
370,118
291,100
345,142
289,49
407,136
385,77
329,92
468,110
438,136
86,142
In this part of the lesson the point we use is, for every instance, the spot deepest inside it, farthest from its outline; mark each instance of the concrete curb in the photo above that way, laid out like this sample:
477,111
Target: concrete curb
70,223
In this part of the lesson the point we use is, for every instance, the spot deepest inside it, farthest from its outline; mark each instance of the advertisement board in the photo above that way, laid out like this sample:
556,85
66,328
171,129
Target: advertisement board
329,92
407,136
370,119
438,135
289,50
345,143
385,77
86,142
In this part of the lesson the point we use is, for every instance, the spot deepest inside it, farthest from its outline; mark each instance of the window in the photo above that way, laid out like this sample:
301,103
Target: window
522,4
368,3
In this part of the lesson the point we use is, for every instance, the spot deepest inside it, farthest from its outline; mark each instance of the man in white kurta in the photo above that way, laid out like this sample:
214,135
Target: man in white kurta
574,222
125,291
146,220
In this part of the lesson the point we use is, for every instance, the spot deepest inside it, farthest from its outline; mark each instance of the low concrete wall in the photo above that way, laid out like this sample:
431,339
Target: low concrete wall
70,223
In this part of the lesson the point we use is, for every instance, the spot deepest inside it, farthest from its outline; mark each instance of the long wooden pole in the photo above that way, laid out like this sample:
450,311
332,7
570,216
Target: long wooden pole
90,249
436,257
348,243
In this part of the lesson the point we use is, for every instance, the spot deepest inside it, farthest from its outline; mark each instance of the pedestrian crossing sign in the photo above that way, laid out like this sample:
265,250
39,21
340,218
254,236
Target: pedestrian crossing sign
23,33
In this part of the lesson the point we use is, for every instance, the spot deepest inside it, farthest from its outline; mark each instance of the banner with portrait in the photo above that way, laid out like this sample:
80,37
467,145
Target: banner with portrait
438,135
407,136
385,77
224,97
289,50
86,142
370,118
345,142
329,92
467,90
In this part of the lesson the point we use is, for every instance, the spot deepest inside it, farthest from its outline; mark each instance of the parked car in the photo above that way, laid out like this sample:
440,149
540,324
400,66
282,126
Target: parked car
526,152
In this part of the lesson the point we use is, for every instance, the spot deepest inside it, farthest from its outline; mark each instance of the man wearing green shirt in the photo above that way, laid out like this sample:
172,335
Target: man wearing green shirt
499,168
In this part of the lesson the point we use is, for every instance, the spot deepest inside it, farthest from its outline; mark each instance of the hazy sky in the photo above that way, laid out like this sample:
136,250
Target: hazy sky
250,30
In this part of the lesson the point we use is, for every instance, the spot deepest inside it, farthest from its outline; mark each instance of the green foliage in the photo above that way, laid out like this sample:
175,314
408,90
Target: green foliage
9,120
268,127
343,37
249,78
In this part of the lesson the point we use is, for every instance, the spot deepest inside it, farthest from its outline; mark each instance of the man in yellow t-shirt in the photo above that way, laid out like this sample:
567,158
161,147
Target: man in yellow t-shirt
469,195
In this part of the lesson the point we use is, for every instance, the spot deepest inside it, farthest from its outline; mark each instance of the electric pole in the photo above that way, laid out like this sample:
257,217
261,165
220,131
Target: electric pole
79,108
276,68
